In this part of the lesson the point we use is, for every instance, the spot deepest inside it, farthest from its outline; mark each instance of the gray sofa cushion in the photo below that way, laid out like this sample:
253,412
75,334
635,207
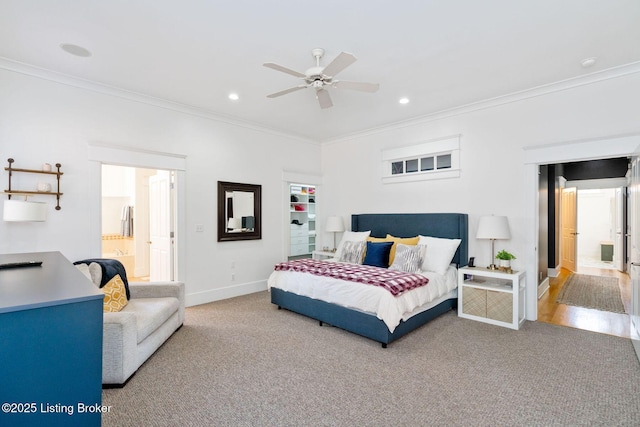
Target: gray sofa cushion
151,313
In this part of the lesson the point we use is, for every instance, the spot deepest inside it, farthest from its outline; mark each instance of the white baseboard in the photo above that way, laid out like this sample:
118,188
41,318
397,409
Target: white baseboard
553,272
543,287
204,297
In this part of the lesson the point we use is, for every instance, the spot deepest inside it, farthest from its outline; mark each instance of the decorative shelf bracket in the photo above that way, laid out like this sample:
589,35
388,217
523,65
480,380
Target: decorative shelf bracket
12,192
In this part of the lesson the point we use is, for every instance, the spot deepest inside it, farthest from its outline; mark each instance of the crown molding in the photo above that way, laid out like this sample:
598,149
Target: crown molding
65,79
588,79
69,80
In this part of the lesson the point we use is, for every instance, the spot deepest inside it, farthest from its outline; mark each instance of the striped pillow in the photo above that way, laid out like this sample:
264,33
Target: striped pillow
352,252
408,258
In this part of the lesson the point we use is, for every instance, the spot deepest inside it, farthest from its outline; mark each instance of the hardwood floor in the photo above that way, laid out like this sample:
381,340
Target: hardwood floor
549,311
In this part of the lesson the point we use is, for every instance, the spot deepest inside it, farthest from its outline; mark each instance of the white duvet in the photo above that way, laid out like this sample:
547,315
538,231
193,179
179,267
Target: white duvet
370,299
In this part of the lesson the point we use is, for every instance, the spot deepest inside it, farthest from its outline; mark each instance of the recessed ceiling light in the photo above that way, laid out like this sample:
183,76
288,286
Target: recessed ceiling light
588,62
234,96
75,50
403,100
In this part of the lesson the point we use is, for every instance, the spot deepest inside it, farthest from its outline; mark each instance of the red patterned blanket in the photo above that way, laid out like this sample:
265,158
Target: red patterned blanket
393,281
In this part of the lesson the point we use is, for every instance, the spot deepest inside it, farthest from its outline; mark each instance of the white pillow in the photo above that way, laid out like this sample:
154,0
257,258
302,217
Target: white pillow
96,273
351,236
439,253
409,258
352,252
84,269
92,271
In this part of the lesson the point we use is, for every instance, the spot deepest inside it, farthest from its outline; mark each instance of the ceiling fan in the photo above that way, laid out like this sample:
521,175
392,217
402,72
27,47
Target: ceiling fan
318,77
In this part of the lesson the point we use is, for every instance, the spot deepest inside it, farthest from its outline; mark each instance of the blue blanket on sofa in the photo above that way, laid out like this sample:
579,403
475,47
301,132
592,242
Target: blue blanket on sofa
110,267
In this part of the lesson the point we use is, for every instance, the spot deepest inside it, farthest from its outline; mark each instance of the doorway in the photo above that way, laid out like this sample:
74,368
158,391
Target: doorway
302,220
600,243
592,242
137,221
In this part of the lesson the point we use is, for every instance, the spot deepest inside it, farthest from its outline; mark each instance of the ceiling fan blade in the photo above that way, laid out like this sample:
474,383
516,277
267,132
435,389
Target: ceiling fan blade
286,91
341,62
323,98
363,87
283,69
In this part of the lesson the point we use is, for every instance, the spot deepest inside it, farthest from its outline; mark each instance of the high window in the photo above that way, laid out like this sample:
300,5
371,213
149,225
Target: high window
430,160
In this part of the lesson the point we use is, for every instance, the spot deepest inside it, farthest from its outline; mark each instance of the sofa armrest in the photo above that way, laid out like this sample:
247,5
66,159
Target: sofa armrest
159,290
120,342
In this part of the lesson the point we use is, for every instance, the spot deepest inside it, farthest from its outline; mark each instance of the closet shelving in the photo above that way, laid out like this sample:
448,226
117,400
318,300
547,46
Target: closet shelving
302,219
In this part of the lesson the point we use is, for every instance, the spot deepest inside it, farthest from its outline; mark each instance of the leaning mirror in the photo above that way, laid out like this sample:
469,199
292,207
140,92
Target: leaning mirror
239,211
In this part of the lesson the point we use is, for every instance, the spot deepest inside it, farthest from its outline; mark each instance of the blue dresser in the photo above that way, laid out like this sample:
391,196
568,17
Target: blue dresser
50,344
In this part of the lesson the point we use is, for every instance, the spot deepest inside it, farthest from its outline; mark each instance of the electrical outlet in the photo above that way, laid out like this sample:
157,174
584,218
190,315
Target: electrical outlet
233,277
199,228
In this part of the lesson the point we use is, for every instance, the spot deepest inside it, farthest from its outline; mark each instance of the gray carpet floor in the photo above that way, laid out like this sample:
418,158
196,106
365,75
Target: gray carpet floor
242,362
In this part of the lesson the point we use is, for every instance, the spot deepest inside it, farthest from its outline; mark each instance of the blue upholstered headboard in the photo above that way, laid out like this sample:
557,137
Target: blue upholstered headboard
446,225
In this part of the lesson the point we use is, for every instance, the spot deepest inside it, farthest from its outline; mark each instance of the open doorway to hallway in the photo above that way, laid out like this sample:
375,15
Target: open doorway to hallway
587,235
137,221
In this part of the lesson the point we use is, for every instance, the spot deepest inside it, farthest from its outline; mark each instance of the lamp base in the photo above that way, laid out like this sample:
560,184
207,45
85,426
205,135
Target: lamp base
492,267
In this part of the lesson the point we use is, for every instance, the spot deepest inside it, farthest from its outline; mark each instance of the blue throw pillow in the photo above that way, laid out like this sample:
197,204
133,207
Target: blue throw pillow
378,254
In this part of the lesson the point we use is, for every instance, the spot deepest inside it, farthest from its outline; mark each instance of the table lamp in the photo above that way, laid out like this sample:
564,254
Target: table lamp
493,227
19,211
334,225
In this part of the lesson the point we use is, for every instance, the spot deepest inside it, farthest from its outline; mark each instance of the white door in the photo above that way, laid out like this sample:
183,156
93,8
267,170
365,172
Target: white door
569,234
618,242
160,241
634,271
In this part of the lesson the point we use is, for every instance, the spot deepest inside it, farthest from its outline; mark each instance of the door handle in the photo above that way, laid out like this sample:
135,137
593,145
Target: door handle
635,264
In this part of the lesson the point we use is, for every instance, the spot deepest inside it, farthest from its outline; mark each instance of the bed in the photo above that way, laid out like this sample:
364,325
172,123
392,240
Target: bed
366,323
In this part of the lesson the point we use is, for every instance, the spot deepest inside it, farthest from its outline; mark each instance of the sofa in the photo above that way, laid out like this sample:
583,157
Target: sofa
154,311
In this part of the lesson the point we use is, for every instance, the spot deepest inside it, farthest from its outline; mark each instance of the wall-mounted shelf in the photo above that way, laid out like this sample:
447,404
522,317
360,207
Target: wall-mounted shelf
13,192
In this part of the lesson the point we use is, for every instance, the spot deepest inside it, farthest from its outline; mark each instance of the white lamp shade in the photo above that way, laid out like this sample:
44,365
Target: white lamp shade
21,210
493,227
334,224
235,223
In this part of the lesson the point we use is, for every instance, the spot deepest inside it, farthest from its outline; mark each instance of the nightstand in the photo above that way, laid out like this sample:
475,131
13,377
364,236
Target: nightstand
322,254
492,296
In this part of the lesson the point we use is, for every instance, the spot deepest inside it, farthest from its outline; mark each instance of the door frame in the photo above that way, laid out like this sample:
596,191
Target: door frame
293,178
116,155
569,151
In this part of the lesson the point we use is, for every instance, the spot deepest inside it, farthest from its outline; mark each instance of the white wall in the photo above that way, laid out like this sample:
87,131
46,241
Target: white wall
596,209
45,121
494,178
118,190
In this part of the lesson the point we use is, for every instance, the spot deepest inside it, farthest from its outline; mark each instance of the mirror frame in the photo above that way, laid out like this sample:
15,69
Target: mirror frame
223,234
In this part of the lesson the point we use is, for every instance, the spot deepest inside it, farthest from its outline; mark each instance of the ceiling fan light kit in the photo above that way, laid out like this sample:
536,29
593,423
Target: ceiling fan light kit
318,77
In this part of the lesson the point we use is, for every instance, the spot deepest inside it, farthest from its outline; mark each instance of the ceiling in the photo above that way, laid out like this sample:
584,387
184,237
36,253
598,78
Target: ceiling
440,54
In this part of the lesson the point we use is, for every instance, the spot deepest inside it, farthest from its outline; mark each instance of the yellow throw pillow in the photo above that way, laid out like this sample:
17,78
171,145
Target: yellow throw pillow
411,241
115,296
376,239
